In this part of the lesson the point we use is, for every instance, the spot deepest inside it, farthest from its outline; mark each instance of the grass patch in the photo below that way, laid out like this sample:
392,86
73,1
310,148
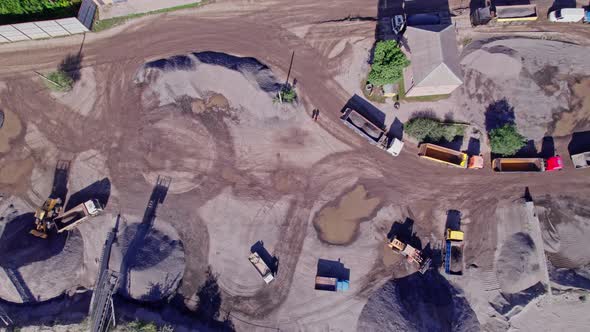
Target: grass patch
60,81
100,25
20,11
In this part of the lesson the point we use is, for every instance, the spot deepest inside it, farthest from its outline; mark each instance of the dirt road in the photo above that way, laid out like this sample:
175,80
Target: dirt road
126,135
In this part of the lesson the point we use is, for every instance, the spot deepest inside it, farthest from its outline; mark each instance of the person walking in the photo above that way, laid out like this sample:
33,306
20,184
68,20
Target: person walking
316,113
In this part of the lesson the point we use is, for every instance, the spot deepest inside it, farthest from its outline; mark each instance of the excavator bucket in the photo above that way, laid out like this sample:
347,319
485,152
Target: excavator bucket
38,234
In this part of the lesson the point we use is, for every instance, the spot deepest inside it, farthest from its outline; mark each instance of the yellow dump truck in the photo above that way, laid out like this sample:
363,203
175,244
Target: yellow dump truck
448,156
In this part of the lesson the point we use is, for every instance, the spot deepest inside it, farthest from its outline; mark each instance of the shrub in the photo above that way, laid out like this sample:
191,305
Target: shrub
63,81
506,140
140,326
288,95
423,128
388,63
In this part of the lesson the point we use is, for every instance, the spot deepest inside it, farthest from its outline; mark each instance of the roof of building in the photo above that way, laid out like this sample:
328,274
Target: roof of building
434,55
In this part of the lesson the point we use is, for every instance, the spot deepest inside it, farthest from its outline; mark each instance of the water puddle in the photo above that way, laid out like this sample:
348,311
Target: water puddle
10,129
339,223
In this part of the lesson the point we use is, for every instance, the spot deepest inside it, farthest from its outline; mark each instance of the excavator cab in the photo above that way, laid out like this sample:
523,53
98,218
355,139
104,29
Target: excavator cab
44,217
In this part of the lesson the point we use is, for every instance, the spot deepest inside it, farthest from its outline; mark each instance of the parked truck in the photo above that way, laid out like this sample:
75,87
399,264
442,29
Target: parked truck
376,135
527,164
454,252
449,157
581,160
412,254
261,267
331,284
77,215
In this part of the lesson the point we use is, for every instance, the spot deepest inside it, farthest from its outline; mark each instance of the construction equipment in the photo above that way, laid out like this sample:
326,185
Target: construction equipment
450,157
527,164
261,267
44,216
72,218
581,160
454,252
50,216
374,134
331,284
412,254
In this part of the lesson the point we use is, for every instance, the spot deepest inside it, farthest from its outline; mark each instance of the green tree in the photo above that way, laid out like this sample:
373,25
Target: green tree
506,140
388,63
422,128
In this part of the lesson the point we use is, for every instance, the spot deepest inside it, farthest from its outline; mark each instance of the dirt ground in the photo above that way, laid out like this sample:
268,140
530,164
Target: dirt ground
152,100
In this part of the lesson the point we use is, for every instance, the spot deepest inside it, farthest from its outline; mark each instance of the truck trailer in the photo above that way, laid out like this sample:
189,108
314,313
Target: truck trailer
527,164
376,135
331,284
581,160
454,252
449,157
261,267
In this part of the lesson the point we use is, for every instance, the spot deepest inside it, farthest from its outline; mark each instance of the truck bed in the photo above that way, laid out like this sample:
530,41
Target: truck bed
581,160
442,154
362,126
518,165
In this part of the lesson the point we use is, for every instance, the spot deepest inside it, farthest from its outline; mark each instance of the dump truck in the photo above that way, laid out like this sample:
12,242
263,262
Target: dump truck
412,254
581,160
527,164
453,261
261,267
371,132
450,157
331,284
74,217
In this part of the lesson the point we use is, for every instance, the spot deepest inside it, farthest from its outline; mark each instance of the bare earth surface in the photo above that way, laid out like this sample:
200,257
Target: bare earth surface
154,99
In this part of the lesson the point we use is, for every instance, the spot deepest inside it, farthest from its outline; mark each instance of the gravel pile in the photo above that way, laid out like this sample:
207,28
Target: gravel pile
418,303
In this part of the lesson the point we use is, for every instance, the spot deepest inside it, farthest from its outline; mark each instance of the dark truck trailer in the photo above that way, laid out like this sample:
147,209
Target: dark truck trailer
363,126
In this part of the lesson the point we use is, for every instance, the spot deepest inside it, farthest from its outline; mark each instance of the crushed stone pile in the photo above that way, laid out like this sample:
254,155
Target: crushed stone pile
518,265
513,74
34,269
418,303
151,261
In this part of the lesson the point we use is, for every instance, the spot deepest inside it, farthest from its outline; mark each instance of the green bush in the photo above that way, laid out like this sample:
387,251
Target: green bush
506,140
62,79
423,128
288,95
30,10
388,63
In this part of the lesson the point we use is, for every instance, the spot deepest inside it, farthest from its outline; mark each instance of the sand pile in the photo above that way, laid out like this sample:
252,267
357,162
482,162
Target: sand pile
150,259
232,99
524,72
418,303
565,222
190,75
518,264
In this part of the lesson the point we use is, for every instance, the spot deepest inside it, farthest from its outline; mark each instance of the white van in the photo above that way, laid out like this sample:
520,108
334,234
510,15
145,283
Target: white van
570,15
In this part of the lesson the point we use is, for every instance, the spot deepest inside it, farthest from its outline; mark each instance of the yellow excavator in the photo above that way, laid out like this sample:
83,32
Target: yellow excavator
44,216
51,215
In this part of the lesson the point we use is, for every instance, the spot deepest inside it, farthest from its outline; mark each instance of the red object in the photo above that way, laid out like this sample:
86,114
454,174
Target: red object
554,163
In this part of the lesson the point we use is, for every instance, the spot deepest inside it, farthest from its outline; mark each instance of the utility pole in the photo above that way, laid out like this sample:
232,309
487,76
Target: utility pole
290,66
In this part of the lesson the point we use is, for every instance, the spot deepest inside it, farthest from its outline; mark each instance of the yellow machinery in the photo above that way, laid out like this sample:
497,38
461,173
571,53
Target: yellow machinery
44,217
412,254
454,235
